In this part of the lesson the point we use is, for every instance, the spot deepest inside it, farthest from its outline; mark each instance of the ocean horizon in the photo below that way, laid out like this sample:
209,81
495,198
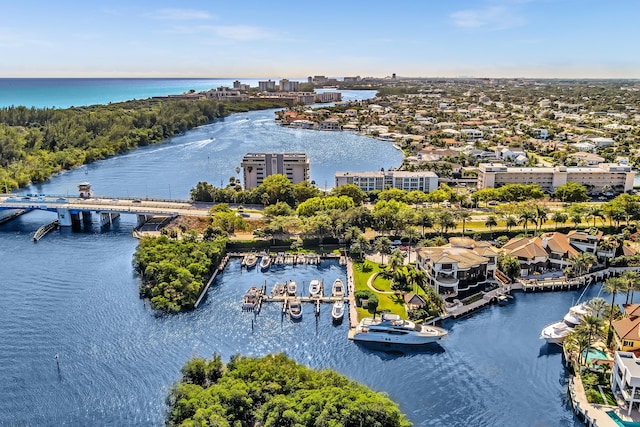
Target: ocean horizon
78,92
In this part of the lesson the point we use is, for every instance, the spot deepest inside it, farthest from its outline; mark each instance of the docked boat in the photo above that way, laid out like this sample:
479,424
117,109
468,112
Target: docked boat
251,298
337,289
279,289
556,332
337,311
265,262
292,287
295,309
300,259
250,260
391,329
315,288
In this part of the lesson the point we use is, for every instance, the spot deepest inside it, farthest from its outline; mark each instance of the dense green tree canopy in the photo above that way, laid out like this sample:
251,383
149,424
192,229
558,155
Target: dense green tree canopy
274,391
571,192
174,272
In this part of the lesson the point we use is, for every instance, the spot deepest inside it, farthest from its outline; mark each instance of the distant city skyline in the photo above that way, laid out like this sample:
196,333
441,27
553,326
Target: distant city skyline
251,39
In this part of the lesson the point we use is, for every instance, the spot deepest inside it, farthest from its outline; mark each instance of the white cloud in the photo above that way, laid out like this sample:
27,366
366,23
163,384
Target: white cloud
226,32
13,39
493,18
181,14
242,32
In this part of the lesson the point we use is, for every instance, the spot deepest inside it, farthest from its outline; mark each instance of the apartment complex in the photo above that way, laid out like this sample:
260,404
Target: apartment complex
368,181
612,177
257,166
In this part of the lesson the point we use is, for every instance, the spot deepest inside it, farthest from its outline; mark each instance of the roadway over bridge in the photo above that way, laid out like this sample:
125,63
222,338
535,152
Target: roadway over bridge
70,209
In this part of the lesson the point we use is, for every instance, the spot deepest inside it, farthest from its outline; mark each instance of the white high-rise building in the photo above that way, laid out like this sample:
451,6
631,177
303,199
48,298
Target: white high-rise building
258,166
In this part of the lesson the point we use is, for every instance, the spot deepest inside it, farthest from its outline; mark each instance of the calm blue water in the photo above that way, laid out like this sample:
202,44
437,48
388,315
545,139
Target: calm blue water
75,294
63,93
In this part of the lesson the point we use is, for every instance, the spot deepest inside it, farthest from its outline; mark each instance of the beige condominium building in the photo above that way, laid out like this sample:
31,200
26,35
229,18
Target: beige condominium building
613,177
258,166
368,181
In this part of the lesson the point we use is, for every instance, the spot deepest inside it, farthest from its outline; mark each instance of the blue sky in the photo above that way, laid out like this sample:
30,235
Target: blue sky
416,38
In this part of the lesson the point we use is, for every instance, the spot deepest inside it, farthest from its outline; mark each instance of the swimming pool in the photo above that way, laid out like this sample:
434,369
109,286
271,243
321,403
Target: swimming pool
594,354
621,422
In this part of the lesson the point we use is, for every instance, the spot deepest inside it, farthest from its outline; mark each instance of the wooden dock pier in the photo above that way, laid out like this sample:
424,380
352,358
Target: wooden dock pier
40,232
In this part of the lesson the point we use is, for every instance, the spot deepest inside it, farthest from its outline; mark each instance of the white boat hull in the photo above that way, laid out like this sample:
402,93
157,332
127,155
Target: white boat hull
555,333
393,330
390,339
337,311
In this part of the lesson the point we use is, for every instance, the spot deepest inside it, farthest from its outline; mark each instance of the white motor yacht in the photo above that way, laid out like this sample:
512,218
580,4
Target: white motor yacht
556,332
391,329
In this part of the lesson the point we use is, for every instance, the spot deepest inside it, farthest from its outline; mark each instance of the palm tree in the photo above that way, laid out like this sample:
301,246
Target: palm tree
595,212
510,222
361,246
592,325
559,218
463,216
540,217
599,306
526,217
613,285
396,260
631,282
351,234
425,218
576,218
444,220
581,262
383,245
491,222
415,277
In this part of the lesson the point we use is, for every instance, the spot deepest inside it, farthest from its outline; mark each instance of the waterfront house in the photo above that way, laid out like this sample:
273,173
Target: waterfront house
626,331
586,240
530,252
559,249
461,264
625,378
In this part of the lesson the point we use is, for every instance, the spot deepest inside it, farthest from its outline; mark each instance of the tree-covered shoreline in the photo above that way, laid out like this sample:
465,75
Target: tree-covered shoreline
273,391
36,143
174,272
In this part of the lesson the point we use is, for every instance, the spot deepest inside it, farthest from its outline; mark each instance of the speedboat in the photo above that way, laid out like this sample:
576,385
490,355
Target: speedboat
337,311
391,329
337,289
265,262
250,260
556,332
292,287
295,309
315,288
251,298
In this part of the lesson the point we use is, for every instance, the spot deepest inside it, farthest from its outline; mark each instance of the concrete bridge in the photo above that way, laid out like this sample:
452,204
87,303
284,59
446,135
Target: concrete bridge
75,209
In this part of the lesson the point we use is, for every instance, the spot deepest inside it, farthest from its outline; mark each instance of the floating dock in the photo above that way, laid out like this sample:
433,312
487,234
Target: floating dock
40,232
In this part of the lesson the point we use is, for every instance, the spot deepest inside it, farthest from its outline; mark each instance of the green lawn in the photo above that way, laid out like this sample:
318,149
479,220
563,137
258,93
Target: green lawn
392,303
